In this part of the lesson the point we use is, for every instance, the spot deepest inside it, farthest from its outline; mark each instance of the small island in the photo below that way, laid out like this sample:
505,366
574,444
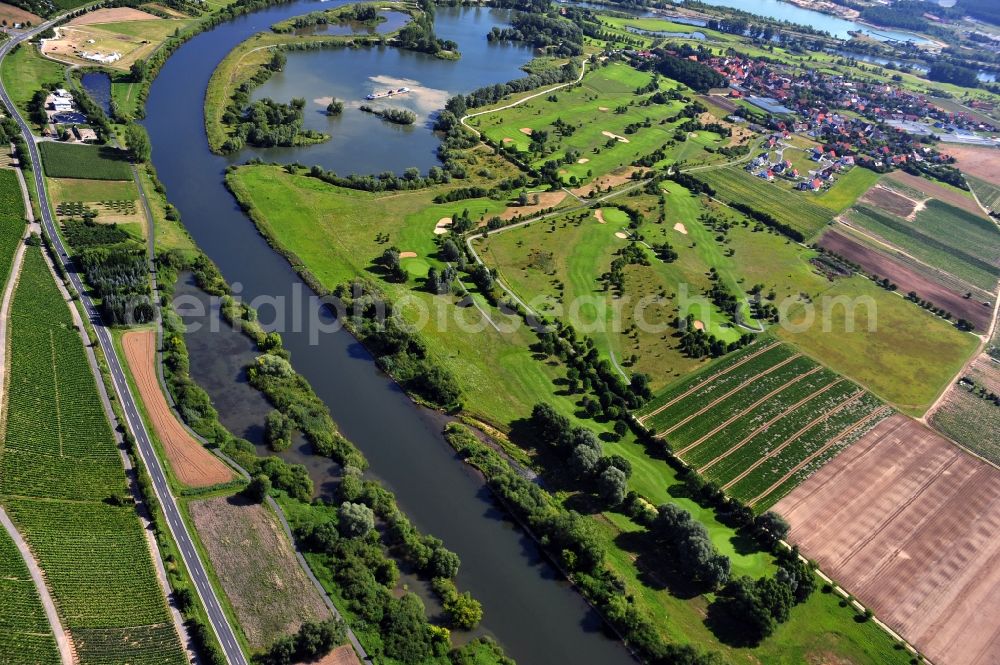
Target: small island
397,116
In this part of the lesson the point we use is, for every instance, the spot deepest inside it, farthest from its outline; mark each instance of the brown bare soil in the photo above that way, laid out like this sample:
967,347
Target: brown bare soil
342,655
939,192
255,563
980,161
907,279
545,200
114,15
190,461
889,201
908,523
13,15
613,179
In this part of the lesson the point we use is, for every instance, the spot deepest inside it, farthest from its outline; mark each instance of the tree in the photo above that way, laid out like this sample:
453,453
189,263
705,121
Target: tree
356,520
139,71
612,485
584,461
335,107
405,633
258,489
278,431
137,141
444,563
464,610
771,527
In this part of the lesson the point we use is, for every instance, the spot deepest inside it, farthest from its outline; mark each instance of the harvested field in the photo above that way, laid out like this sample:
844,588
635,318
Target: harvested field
545,200
874,262
936,191
980,162
190,461
113,15
907,522
13,14
255,563
889,201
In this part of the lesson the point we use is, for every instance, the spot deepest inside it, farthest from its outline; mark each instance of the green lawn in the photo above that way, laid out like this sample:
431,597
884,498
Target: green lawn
902,353
89,162
24,71
847,188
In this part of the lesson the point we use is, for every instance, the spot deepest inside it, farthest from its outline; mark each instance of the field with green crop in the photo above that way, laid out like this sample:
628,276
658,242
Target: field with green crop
62,481
593,115
987,193
943,236
900,352
91,162
760,421
11,203
795,209
971,421
25,635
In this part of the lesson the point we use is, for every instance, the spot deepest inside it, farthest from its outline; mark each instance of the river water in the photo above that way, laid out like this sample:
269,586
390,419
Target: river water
537,617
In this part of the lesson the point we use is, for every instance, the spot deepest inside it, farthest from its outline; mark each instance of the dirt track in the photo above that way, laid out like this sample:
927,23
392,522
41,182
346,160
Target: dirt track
908,523
191,462
908,280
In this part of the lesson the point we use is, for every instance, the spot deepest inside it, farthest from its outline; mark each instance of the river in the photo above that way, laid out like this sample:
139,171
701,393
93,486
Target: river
537,617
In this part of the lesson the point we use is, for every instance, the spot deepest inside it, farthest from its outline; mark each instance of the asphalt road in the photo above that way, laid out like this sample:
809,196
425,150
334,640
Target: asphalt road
220,624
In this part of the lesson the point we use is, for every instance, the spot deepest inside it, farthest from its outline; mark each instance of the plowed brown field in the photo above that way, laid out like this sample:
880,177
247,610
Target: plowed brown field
190,461
906,279
908,523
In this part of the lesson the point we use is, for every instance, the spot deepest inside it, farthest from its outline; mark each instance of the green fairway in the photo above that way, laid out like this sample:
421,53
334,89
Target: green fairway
89,162
582,124
64,485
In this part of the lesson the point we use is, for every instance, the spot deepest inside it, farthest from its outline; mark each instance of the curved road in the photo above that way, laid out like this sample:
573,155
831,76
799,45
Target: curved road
178,529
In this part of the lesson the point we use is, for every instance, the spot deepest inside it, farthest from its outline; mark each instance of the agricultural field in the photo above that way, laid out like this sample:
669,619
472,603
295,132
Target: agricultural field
761,421
987,193
792,208
11,15
114,201
593,122
11,220
87,162
256,566
924,190
907,279
903,354
25,634
967,415
907,522
62,481
940,235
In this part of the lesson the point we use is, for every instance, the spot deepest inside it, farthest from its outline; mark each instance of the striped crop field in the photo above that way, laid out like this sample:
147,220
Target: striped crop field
25,635
761,421
63,484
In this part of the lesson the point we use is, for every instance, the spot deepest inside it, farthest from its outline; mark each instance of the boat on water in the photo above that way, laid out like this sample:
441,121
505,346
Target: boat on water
387,93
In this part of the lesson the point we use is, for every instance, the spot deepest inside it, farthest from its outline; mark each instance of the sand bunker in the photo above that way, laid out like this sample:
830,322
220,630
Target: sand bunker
442,226
693,135
407,255
526,130
698,325
545,200
619,234
508,139
603,108
621,139
680,228
582,160
599,214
